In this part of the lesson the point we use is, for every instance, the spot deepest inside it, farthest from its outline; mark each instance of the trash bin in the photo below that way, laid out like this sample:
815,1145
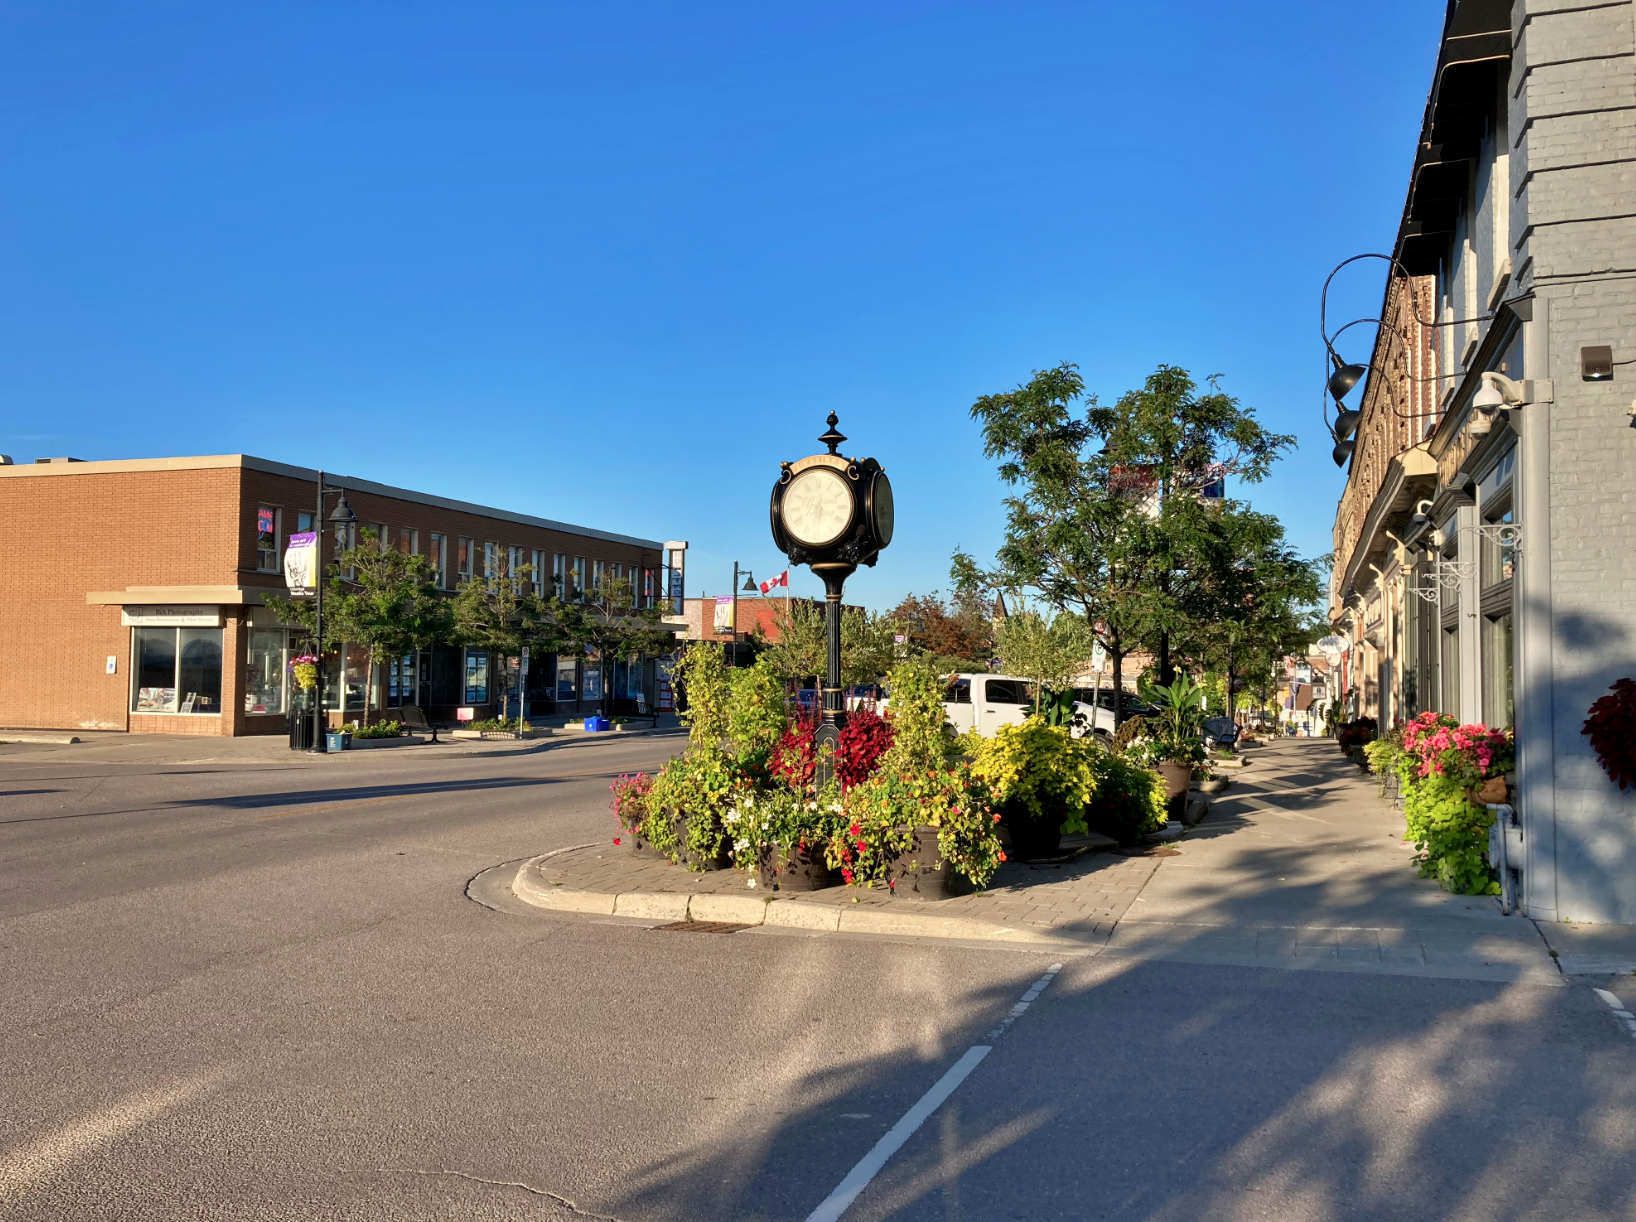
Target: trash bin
597,723
337,741
300,731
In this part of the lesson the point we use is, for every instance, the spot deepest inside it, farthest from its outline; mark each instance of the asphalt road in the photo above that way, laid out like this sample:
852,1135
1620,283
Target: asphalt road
260,989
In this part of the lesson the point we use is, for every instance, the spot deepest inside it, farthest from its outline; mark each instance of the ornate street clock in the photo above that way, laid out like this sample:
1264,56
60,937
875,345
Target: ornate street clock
832,513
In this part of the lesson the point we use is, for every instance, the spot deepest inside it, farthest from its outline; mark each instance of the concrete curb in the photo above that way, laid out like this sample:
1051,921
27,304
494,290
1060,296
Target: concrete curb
758,910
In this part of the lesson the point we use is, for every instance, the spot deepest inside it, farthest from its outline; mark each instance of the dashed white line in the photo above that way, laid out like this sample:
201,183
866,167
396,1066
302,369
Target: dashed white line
837,1202
1619,1010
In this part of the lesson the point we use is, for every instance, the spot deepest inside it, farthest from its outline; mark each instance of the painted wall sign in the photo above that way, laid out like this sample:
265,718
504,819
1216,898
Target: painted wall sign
171,617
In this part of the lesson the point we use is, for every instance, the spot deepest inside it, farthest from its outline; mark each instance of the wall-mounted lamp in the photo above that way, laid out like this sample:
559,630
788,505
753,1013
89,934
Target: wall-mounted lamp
1343,451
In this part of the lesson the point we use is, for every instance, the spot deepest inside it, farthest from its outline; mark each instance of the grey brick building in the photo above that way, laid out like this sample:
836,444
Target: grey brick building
1486,559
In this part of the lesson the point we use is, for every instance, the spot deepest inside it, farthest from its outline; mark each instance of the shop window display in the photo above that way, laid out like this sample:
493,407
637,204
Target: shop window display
178,670
265,671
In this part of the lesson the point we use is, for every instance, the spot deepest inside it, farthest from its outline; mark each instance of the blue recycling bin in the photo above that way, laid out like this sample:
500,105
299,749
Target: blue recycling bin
594,724
336,741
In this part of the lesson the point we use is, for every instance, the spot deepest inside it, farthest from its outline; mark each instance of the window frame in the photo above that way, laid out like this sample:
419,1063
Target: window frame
277,550
438,554
135,670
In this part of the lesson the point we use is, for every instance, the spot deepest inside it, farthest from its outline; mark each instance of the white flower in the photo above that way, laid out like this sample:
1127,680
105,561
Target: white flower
740,845
750,882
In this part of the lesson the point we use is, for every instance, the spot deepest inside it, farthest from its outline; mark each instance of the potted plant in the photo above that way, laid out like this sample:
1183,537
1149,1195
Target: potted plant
1041,780
917,831
782,838
1175,743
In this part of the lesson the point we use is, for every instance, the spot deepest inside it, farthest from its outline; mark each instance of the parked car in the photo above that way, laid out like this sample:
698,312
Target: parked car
985,702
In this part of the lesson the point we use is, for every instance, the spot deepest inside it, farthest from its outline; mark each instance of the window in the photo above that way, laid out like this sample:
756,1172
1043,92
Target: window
647,589
266,539
516,562
178,670
958,692
1004,691
599,574
1498,671
579,579
408,541
477,676
593,680
360,675
346,540
567,685
303,523
437,546
559,575
400,681
537,572
264,679
383,541
1448,672
464,561
491,563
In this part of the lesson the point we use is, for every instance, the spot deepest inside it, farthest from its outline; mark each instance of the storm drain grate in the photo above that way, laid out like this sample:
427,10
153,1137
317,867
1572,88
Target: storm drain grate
700,927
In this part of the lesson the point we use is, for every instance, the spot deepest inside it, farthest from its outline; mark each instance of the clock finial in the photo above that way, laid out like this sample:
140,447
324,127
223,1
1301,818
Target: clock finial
832,438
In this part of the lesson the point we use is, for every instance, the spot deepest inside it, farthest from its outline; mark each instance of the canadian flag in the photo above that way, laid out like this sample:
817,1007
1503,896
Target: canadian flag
783,579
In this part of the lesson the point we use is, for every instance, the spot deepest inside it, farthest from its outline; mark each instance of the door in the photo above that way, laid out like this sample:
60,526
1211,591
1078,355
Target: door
423,685
1002,704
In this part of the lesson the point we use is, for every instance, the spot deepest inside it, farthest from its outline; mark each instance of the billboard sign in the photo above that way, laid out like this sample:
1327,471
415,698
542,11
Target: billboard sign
301,564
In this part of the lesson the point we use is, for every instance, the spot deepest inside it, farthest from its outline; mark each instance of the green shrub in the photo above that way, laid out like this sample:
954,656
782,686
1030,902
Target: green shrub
492,725
1450,834
883,812
382,729
755,712
1130,800
700,787
1035,770
702,672
915,713
780,819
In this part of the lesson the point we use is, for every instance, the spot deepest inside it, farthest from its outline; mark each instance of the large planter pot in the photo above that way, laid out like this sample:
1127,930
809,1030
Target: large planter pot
920,873
1178,775
641,846
794,869
1033,839
693,861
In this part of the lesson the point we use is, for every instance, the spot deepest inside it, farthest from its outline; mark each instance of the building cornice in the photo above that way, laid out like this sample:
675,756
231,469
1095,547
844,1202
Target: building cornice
351,483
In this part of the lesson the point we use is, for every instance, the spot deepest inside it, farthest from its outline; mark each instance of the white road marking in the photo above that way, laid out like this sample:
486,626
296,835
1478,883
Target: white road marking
1619,1011
857,1179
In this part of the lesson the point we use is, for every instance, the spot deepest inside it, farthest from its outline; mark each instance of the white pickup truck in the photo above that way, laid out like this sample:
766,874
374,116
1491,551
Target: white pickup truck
986,702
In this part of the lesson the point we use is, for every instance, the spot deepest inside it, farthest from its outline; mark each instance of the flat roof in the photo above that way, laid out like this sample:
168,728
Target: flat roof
349,482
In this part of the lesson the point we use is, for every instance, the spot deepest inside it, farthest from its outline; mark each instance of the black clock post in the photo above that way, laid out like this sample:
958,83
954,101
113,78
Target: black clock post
832,514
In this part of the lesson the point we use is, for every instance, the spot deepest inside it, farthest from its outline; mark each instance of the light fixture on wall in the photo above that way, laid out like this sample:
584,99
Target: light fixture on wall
1343,451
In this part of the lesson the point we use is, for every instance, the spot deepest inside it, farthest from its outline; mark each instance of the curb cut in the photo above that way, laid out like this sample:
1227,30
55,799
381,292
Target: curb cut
777,913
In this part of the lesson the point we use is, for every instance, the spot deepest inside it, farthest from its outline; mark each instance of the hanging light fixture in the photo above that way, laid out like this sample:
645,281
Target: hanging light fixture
1343,451
1344,378
1346,421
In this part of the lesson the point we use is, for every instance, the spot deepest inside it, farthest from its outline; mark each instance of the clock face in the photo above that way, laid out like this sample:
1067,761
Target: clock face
882,499
817,507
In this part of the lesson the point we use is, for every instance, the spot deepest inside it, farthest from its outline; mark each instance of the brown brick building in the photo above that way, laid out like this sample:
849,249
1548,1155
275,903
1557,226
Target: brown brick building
131,594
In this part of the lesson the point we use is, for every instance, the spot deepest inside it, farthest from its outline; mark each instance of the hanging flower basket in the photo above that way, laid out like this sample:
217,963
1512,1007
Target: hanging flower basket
305,670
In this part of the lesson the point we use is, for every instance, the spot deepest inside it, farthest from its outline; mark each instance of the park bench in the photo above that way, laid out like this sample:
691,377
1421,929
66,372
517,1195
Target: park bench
416,720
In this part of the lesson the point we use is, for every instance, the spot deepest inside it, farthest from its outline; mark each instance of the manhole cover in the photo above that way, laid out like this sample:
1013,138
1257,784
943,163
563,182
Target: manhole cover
700,927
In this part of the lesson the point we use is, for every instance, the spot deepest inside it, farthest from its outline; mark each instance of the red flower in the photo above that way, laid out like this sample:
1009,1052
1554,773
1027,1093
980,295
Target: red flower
616,839
1002,854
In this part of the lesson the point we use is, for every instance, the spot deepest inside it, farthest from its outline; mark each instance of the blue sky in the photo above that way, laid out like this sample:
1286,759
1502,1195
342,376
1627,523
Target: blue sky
611,262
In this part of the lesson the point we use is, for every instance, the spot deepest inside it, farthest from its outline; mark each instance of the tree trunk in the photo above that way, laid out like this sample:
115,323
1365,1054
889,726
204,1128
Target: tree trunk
369,686
1116,655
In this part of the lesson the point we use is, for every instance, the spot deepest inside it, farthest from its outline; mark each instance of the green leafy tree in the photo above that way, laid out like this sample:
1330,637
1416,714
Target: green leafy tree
917,717
385,601
1049,651
614,628
501,614
798,647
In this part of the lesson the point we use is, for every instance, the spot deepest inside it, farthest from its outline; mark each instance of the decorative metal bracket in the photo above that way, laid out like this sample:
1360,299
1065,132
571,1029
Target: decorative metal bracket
1506,534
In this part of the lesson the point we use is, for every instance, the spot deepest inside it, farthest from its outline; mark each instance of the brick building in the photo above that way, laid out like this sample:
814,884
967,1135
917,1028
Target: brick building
1485,560
132,594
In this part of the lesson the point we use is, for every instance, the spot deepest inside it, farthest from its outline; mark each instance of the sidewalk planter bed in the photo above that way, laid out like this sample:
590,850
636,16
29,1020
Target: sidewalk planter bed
368,744
920,871
795,869
1033,839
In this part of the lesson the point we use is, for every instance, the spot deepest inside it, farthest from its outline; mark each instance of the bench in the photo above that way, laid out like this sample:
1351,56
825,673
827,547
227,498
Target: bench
416,720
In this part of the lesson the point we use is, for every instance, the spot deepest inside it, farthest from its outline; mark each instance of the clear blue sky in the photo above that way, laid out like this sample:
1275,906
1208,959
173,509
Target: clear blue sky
612,262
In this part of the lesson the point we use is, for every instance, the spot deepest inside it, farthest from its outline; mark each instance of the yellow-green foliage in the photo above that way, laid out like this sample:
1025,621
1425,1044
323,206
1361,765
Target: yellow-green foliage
702,671
1131,800
1035,770
755,715
916,714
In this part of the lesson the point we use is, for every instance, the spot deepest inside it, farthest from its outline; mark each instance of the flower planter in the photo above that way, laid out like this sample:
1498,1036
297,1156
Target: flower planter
795,869
1033,839
921,873
641,846
1178,775
692,860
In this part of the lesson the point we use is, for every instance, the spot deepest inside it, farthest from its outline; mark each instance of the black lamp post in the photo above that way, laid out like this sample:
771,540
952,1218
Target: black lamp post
342,516
832,513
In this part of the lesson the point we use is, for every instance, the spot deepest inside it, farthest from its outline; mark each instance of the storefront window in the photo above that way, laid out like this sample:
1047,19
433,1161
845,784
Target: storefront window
566,682
1448,672
178,670
358,679
264,675
593,680
1497,670
400,680
477,676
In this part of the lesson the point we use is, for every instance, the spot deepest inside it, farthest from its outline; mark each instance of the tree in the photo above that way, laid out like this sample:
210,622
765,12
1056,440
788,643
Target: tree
956,635
800,649
1109,516
614,628
1048,651
502,613
390,605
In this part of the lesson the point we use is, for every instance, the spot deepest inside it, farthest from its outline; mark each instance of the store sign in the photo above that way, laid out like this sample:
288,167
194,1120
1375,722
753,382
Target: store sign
170,617
301,564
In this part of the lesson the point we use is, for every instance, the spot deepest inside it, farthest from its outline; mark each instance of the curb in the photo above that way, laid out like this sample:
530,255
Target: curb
756,911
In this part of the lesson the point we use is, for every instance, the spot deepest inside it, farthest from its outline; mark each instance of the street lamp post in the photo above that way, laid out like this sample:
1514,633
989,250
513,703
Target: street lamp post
832,514
749,585
342,516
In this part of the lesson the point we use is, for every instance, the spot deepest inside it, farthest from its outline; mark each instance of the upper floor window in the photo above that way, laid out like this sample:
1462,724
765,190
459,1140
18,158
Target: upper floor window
346,540
382,540
437,547
559,575
491,563
266,539
464,560
579,579
536,573
408,541
516,562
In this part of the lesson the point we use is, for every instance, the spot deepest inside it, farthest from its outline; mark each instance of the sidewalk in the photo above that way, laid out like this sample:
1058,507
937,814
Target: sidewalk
1298,865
